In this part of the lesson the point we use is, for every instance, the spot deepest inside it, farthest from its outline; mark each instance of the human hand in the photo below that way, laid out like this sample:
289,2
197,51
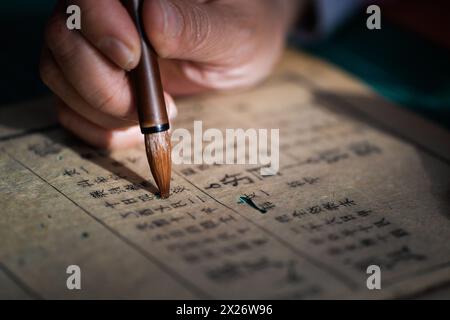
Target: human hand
203,45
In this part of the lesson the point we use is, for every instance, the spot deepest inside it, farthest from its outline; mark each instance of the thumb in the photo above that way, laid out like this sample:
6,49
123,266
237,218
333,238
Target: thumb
197,31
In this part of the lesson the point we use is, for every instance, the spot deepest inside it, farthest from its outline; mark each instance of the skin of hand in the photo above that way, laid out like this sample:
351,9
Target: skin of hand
203,45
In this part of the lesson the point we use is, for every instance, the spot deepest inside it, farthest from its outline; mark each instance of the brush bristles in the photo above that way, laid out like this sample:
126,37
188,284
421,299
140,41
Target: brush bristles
158,149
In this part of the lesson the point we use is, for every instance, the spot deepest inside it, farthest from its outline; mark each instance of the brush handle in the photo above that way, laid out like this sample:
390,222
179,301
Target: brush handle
146,80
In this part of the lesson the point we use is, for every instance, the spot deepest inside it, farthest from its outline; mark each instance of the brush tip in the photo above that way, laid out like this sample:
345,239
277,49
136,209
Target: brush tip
158,148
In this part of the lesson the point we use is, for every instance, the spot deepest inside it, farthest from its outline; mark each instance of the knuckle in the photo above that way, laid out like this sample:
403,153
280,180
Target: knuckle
103,100
106,100
48,73
63,117
57,39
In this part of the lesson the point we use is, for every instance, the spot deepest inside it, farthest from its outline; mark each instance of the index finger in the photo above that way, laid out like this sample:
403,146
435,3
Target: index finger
107,25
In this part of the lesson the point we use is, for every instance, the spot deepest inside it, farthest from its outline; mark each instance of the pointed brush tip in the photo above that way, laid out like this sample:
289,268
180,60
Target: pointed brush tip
164,194
163,184
158,149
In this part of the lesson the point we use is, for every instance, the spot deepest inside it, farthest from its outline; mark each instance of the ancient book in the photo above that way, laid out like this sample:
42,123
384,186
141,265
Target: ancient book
360,183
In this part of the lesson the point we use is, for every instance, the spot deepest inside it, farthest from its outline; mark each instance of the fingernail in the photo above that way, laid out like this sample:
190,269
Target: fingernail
118,52
173,20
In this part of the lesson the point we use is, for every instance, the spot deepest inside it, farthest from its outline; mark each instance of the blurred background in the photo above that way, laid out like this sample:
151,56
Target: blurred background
407,61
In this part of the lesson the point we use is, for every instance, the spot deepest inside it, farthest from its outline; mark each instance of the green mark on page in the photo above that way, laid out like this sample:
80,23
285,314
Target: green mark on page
246,200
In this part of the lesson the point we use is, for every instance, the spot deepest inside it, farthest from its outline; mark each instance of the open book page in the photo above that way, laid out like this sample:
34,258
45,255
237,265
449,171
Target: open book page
360,182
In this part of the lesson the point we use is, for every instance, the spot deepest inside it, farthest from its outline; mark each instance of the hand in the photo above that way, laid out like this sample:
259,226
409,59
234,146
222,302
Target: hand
203,45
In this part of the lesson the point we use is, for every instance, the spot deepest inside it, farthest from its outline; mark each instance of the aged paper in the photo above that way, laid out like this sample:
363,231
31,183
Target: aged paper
361,183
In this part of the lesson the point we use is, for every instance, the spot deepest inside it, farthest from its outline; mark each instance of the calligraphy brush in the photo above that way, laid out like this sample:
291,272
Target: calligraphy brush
151,106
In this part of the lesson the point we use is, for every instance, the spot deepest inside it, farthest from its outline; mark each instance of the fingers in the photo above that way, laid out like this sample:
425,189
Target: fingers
107,26
98,136
54,79
102,84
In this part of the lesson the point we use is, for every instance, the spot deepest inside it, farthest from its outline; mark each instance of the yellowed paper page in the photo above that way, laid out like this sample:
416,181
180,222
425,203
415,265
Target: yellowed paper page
360,183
